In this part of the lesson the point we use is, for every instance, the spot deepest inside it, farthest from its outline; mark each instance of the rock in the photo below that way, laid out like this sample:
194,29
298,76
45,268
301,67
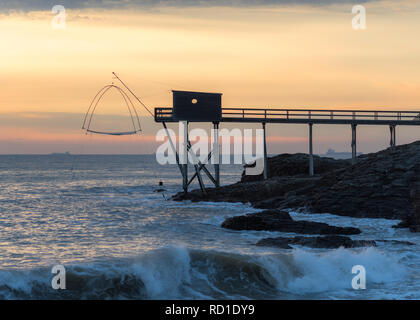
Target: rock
277,220
252,192
282,243
326,242
377,186
412,221
405,243
414,217
404,224
295,164
267,220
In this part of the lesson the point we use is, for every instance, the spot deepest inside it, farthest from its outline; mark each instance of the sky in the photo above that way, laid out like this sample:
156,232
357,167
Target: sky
267,53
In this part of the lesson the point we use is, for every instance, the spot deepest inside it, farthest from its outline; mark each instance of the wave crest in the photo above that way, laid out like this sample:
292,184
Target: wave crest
176,272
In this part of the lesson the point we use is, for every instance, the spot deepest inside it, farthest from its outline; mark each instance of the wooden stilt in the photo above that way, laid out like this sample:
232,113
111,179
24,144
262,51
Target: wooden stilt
353,144
392,129
197,169
202,166
173,148
311,155
185,157
216,154
265,153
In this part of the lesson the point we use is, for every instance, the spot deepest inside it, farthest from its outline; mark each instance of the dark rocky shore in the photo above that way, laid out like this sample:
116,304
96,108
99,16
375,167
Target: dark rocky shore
385,184
295,164
412,220
276,220
327,242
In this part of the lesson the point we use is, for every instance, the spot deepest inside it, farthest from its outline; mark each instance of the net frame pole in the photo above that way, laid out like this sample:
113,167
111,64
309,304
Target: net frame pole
144,106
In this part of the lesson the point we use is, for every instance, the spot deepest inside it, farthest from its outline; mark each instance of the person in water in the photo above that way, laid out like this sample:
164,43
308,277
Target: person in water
161,189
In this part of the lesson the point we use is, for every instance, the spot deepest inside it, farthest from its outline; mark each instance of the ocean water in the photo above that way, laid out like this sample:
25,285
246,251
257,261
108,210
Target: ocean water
118,239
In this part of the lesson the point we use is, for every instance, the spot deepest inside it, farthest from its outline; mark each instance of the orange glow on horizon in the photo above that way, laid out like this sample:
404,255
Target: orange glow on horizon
264,57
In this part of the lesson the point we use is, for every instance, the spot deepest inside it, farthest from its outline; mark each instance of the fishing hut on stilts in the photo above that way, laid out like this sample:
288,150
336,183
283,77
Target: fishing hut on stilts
189,107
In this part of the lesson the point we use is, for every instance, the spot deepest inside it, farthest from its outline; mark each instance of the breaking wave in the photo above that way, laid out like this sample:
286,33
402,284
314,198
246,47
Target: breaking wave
175,272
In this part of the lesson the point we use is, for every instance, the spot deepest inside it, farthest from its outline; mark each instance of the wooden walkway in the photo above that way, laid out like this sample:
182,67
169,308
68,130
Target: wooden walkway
292,116
314,116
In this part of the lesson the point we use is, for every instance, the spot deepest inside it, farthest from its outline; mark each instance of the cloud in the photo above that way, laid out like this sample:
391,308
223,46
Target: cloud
35,5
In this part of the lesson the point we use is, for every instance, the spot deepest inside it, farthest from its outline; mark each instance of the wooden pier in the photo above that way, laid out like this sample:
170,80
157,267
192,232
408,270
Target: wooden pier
194,110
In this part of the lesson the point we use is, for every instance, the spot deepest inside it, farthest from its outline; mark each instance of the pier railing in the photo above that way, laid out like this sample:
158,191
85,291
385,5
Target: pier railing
307,116
163,114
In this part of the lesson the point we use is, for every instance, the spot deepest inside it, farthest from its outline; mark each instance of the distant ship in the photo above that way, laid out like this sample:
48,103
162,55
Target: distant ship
338,155
60,154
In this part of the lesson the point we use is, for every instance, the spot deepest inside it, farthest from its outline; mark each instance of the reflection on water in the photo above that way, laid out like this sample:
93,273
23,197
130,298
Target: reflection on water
100,217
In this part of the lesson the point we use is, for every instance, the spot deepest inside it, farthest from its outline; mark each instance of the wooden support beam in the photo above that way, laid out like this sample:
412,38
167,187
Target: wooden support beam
395,136
216,154
265,154
311,151
197,169
173,149
202,166
392,129
353,144
185,157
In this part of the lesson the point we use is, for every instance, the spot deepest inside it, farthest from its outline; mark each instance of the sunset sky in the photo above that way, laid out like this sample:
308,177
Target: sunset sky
296,54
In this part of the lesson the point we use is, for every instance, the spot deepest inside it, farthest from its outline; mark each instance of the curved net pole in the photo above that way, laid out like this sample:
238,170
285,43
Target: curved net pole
90,106
128,107
129,104
125,95
135,110
96,104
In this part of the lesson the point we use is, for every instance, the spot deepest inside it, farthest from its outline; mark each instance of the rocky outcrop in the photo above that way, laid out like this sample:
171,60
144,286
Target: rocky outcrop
378,186
277,220
252,192
397,242
326,242
412,221
295,164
